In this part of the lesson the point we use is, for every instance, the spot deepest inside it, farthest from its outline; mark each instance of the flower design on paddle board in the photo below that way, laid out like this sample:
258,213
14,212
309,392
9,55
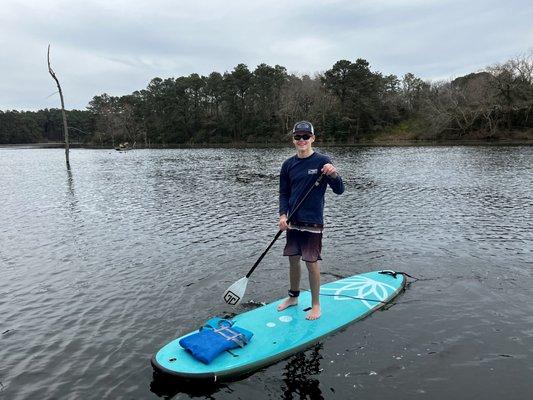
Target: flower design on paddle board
360,287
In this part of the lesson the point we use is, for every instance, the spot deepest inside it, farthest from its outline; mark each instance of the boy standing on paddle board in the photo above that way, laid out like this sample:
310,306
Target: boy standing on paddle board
304,230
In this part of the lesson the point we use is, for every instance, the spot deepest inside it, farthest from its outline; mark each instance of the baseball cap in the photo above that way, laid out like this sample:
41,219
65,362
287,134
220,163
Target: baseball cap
303,126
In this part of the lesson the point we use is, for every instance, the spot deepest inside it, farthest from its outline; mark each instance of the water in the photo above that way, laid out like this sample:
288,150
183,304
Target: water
102,266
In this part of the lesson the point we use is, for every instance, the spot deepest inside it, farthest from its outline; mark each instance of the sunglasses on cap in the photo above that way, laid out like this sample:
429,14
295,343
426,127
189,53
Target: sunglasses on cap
305,136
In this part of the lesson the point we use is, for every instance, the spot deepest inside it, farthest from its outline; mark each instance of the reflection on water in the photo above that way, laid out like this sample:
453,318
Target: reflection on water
70,182
167,387
102,266
301,373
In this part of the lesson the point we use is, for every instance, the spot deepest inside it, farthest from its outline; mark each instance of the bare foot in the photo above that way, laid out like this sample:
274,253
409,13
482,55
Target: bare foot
289,302
315,313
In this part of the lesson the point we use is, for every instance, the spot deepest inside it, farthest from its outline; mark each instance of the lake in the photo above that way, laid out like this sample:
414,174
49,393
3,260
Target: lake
104,264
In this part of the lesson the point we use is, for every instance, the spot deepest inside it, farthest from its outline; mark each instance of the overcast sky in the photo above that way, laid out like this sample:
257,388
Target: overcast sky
117,47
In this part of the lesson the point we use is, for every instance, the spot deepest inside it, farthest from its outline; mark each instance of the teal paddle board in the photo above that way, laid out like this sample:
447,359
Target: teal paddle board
278,334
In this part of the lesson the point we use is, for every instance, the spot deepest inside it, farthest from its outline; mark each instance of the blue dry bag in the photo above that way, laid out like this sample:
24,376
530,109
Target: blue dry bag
215,337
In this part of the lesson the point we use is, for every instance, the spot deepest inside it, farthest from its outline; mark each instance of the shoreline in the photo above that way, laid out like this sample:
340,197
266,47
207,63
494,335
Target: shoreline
374,143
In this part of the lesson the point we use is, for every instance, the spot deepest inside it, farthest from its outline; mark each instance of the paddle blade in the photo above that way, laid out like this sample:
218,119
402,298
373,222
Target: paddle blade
234,294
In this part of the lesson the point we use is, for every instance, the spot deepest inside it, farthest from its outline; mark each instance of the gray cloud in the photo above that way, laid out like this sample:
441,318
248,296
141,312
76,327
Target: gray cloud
117,47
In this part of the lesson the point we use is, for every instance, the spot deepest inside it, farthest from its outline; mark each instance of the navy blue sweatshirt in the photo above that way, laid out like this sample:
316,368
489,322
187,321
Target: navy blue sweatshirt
296,177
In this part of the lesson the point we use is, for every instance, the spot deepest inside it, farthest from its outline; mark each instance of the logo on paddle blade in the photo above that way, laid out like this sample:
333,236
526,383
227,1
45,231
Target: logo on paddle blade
231,298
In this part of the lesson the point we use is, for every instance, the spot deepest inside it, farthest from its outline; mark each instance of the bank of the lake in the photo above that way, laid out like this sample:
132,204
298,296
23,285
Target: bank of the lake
378,141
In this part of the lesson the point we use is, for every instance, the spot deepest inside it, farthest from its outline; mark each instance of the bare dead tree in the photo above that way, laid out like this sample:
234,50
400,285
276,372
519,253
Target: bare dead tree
65,126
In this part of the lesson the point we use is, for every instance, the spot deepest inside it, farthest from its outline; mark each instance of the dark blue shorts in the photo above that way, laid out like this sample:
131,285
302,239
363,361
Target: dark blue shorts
305,244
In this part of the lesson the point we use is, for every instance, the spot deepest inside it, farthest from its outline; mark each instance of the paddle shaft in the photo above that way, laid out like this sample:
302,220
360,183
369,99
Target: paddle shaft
306,195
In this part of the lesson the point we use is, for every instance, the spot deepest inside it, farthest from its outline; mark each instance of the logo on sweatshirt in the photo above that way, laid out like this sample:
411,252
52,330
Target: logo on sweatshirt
312,171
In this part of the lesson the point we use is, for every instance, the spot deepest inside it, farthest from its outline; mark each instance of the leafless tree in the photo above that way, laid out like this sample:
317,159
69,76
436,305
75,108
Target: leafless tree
65,126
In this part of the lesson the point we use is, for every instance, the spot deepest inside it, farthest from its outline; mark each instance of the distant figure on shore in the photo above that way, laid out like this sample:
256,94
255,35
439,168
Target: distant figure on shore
124,146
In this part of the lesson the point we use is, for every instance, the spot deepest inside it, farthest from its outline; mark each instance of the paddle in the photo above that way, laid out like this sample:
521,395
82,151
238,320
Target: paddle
234,294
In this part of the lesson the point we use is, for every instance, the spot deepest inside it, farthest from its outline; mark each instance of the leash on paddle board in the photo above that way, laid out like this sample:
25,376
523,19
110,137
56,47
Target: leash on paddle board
396,273
234,294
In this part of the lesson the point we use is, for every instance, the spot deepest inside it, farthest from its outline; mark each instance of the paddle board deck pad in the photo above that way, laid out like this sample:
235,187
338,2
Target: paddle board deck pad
278,334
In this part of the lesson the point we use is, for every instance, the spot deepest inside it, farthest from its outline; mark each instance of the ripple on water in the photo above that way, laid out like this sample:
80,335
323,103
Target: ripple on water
104,265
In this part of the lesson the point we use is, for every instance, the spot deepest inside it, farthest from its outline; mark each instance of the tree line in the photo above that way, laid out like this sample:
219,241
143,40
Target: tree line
347,103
